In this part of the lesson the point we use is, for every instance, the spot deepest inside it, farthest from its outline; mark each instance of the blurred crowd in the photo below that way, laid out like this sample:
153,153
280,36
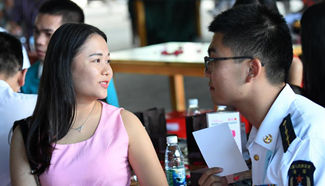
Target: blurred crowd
17,17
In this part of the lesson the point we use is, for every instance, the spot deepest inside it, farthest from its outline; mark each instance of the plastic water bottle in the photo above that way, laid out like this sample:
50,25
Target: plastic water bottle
193,107
174,163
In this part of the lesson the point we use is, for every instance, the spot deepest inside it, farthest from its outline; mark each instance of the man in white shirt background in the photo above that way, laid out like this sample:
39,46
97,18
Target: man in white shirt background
13,105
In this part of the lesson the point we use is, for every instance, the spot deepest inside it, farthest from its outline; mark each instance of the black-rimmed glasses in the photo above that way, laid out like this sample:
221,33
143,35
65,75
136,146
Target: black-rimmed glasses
208,59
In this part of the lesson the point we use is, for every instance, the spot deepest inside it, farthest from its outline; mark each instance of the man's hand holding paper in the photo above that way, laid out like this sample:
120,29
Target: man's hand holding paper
219,149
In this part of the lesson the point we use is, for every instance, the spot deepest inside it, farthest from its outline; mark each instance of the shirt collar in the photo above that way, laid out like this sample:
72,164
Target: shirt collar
40,70
270,125
4,84
5,87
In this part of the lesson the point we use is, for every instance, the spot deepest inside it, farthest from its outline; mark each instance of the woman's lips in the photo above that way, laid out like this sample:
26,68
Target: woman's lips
104,84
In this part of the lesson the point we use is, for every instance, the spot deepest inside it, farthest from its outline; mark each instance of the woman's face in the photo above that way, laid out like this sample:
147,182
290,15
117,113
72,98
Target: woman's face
91,71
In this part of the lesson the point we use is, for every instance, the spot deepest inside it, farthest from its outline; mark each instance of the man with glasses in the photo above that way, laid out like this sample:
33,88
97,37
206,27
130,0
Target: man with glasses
249,58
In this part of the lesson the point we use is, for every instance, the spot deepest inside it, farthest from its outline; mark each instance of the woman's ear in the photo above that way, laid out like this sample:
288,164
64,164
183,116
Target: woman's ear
254,69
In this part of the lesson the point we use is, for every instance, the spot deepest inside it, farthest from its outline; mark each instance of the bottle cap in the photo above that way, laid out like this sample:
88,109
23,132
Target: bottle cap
193,102
222,107
172,139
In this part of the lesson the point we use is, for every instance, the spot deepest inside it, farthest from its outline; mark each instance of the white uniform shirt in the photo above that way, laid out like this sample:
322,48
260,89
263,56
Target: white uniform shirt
270,164
13,106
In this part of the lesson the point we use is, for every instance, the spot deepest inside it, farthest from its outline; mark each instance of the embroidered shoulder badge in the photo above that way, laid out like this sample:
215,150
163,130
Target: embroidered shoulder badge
287,132
301,173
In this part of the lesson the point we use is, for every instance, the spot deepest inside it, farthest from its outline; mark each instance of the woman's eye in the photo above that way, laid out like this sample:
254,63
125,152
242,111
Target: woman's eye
108,61
97,60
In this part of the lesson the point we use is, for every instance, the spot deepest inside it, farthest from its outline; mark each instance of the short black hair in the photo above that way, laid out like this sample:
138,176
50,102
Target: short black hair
257,31
271,4
11,56
70,11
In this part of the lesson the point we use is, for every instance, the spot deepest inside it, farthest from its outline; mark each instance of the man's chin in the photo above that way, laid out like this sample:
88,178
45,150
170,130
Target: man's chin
40,55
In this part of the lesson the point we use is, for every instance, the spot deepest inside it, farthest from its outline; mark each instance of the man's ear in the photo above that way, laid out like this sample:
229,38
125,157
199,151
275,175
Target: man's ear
254,69
21,78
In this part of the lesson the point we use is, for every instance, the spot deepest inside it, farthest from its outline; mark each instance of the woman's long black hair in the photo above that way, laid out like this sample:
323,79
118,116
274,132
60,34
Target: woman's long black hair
313,58
55,107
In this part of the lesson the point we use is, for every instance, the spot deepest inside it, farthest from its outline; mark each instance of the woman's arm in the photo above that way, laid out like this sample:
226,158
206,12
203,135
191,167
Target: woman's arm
19,165
142,155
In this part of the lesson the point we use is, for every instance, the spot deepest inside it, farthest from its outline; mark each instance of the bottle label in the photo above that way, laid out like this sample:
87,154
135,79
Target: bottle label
176,177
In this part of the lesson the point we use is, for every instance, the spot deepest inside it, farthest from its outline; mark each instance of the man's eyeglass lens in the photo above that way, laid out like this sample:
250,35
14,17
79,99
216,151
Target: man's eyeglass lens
208,59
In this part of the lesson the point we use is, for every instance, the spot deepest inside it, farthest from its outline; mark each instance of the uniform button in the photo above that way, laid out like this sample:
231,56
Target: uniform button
256,157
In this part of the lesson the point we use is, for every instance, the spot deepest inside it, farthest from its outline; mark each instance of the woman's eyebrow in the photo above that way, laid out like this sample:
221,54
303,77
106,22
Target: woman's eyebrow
96,54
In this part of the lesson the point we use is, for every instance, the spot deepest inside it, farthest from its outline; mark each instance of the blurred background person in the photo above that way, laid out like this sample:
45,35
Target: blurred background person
22,16
13,105
25,54
313,45
5,7
72,138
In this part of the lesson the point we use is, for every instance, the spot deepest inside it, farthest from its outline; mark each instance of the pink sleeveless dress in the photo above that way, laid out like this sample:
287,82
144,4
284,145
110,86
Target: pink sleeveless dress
99,160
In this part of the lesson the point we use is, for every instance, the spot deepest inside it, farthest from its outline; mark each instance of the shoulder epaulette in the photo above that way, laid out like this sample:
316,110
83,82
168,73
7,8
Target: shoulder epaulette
287,132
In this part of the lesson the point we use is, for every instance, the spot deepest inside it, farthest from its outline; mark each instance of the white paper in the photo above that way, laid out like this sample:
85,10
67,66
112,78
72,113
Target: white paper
233,121
219,149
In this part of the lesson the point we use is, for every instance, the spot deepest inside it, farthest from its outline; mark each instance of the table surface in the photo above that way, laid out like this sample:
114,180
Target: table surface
193,53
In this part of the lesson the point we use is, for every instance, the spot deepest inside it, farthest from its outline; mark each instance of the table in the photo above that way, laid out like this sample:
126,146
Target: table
173,59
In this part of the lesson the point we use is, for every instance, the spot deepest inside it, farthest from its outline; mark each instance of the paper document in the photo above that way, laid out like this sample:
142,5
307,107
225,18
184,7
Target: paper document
231,118
219,149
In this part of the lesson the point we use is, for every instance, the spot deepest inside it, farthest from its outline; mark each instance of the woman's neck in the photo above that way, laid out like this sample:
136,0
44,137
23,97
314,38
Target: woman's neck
84,110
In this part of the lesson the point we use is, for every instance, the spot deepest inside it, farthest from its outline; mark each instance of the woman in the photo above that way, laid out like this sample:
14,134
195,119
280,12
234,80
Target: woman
313,45
72,138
